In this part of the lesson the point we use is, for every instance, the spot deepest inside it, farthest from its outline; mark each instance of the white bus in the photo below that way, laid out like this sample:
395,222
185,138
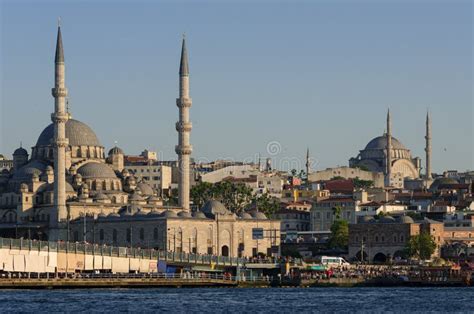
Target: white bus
333,261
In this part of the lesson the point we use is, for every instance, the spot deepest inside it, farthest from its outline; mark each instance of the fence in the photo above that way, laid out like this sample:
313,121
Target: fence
103,250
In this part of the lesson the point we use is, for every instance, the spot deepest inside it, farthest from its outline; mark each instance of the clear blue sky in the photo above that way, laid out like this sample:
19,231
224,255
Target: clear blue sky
317,74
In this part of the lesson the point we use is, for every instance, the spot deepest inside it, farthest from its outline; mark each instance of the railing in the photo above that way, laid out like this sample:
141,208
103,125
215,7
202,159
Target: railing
104,250
188,276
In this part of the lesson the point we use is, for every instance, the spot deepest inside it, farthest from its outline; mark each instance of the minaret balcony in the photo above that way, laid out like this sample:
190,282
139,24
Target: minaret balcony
183,149
59,92
59,117
184,126
183,102
60,142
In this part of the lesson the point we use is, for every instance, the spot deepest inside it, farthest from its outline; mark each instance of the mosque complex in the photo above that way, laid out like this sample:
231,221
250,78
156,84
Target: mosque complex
69,190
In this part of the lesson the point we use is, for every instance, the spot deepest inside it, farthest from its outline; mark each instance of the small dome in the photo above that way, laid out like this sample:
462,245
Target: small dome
94,170
20,152
199,215
245,216
115,151
380,143
27,171
101,197
214,207
49,187
154,213
184,214
406,220
145,188
78,134
169,214
387,219
258,215
442,181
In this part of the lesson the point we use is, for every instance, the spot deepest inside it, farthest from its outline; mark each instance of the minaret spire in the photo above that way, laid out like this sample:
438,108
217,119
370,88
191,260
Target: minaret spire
389,148
428,146
60,142
183,126
308,164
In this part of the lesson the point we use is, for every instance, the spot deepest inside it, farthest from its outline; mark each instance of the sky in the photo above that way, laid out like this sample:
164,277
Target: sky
268,78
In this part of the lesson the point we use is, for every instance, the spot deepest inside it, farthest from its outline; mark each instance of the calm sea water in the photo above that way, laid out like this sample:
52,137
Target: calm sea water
260,300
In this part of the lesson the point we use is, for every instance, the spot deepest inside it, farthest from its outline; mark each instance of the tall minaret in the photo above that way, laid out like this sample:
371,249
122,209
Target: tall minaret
184,149
389,147
60,142
307,165
428,147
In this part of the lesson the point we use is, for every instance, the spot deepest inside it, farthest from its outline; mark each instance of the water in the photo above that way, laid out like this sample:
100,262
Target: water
242,300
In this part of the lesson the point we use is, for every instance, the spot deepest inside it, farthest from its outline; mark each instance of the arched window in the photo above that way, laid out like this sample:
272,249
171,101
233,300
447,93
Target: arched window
376,238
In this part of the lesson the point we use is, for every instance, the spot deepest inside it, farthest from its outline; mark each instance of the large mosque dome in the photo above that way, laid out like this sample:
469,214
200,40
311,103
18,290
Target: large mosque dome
380,142
77,132
83,143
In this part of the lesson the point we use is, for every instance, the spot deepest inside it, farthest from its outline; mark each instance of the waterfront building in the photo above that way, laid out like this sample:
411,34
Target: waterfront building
380,240
294,216
70,190
211,230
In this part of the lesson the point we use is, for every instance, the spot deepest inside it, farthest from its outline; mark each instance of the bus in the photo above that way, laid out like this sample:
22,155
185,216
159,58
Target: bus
333,261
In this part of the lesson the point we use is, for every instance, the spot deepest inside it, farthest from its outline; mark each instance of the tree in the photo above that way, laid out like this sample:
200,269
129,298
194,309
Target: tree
234,196
339,235
362,184
293,172
201,193
421,246
266,204
338,178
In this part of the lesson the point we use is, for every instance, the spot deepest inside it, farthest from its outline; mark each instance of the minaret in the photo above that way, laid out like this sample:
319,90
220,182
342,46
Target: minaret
183,149
60,142
389,148
307,165
428,147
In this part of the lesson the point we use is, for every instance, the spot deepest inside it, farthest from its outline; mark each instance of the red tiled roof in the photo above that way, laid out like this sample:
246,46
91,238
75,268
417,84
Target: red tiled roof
339,185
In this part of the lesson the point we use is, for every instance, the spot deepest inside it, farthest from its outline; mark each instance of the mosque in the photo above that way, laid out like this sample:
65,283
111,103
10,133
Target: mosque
398,165
68,189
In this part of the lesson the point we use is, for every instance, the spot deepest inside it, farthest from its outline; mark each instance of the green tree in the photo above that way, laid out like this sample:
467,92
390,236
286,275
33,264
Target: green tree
339,235
294,172
201,193
362,184
421,246
266,204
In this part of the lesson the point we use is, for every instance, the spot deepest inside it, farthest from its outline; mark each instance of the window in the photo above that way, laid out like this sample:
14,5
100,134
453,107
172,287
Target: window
155,234
402,238
394,238
376,238
129,234
101,234
114,235
383,239
142,234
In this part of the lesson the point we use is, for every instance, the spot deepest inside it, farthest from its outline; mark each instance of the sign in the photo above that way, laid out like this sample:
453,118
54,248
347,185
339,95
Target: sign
257,233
